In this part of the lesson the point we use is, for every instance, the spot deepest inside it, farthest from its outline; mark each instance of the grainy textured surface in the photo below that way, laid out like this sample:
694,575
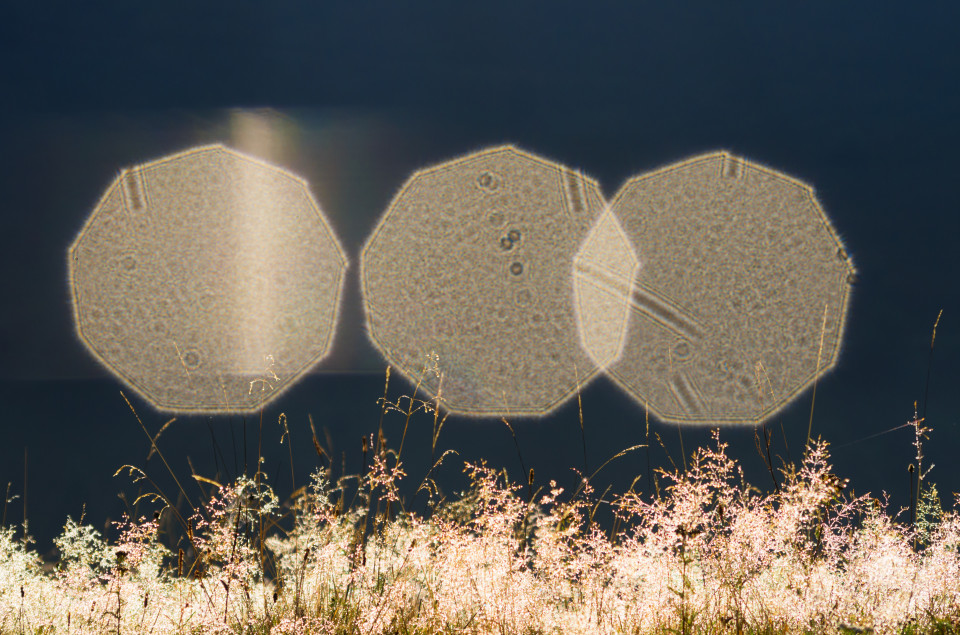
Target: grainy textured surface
739,268
473,263
207,280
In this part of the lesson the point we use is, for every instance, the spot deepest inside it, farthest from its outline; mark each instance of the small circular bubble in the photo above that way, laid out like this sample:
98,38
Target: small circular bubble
287,324
496,218
191,359
523,297
681,350
506,244
514,235
516,268
128,263
488,181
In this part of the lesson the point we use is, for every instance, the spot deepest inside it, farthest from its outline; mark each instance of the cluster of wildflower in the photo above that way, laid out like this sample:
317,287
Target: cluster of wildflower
710,555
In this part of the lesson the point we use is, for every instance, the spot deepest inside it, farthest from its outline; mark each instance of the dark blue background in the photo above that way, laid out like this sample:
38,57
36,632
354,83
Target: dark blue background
859,99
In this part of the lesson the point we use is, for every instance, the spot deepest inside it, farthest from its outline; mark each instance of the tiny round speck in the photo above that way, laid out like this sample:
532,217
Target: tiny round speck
287,324
488,181
514,235
516,268
128,263
191,359
506,244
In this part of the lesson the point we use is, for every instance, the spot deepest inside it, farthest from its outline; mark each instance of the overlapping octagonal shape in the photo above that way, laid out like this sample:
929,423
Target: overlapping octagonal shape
471,266
207,280
740,300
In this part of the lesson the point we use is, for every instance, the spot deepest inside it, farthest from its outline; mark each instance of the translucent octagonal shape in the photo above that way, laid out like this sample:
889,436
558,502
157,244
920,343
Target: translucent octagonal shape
471,268
742,292
208,281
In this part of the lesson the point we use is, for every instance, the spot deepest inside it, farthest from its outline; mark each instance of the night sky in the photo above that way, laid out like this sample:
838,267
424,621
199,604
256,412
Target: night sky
858,99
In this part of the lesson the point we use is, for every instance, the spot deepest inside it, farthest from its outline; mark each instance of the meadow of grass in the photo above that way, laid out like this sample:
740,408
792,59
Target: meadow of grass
703,553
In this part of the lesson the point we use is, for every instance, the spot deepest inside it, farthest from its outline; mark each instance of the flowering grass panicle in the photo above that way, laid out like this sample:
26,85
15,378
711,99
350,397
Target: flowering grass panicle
708,553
